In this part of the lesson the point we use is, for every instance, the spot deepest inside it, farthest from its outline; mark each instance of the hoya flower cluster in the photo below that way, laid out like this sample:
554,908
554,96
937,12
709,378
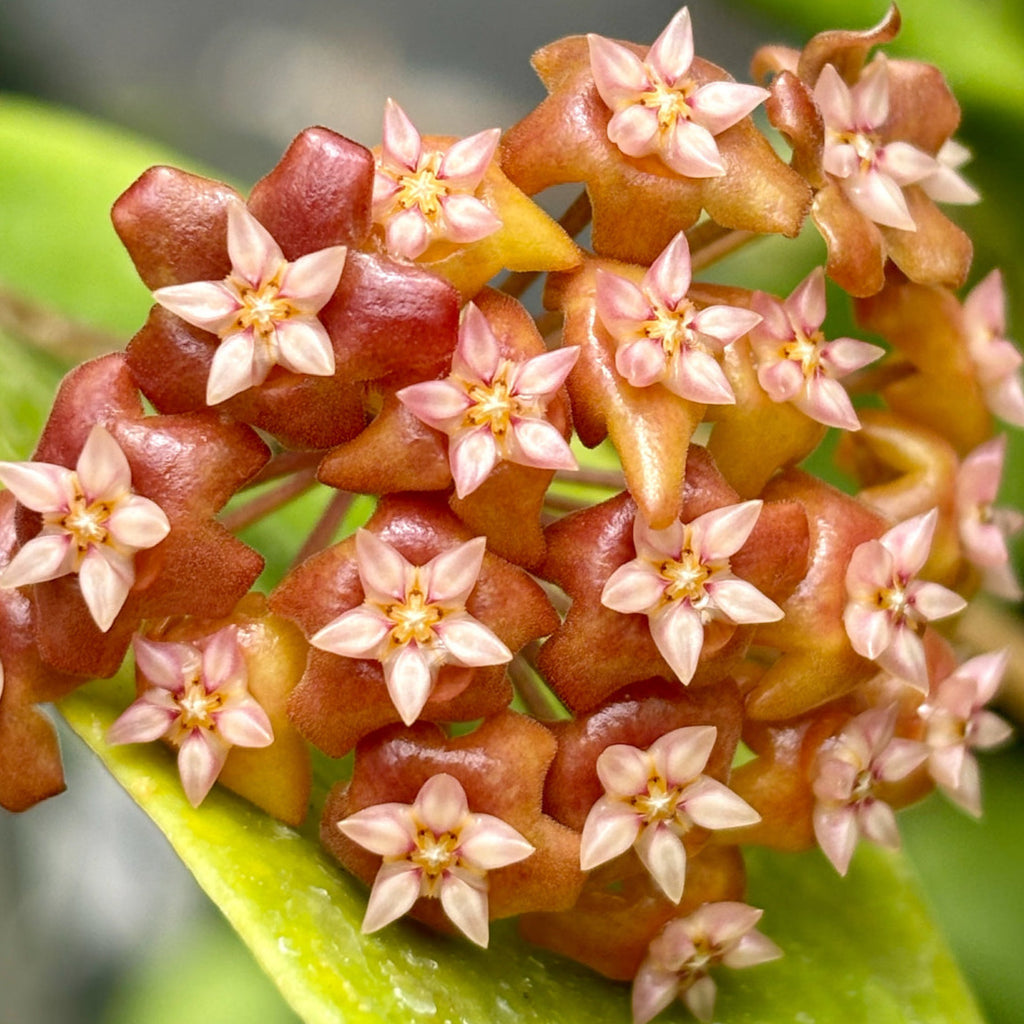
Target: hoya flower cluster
337,325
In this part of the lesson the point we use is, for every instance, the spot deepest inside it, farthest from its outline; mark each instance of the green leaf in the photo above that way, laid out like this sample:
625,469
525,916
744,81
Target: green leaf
858,950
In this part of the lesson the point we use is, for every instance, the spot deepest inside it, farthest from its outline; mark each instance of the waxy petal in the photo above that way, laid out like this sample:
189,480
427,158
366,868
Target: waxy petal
400,142
452,575
692,152
102,468
466,161
382,569
311,280
541,445
618,73
932,601
878,823
633,588
255,256
466,907
679,635
837,834
671,54
682,754
543,375
622,306
245,724
385,829
436,402
234,368
710,804
668,278
654,988
478,354
742,602
719,105
471,643
441,804
642,363
43,558
138,523
407,234
209,305
623,770
611,828
472,455
105,577
357,633
305,347
488,843
145,720
409,676
880,199
635,130
468,219
697,377
200,759
168,666
723,531
395,889
664,856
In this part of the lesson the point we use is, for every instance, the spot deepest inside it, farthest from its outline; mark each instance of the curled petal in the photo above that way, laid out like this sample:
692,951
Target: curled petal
395,889
209,305
138,523
468,219
466,907
382,569
441,803
618,73
407,233
710,804
452,574
692,152
671,54
409,678
386,829
635,130
621,305
697,377
102,468
234,368
540,445
487,843
223,664
642,362
719,105
200,759
611,828
664,856
471,643
467,160
167,665
400,143
899,759
870,632
105,577
783,380
245,724
623,770
305,347
43,558
145,720
472,455
357,633
633,588
679,635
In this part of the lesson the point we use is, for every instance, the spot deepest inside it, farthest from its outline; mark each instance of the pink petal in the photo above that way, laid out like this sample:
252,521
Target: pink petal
438,403
223,664
357,633
679,635
43,558
466,162
870,631
966,792
806,304
407,233
468,219
395,889
102,468
899,759
844,355
167,665
904,163
635,130
710,804
539,444
682,754
488,843
725,323
1006,400
697,377
233,368
692,152
642,362
668,278
700,998
619,74
621,306
305,347
932,601
879,199
987,730
138,523
400,144
753,949
311,280
611,828
409,678
653,990
441,804
664,856
477,355
200,759
471,643
905,658
671,54
719,105
208,305
832,96
543,375
878,823
385,187
385,829
871,94
633,588
105,577
725,923
472,455
782,380
841,160
450,576
245,725
382,569
723,531
623,770
946,186
834,780
255,256
837,834
656,545
145,720
466,907
827,402
871,569
39,486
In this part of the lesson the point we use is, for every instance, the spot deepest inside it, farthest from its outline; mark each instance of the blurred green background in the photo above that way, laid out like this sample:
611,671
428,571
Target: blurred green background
88,891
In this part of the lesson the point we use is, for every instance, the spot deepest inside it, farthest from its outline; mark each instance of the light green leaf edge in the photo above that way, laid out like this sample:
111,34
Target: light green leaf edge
861,950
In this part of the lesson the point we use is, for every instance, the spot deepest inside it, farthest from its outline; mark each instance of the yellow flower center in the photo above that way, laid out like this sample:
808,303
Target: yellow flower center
805,351
262,308
659,802
668,328
434,854
197,706
423,188
864,145
414,619
686,578
494,405
85,522
669,101
894,600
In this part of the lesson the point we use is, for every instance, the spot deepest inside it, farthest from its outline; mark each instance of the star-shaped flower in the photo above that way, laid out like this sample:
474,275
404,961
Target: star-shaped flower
434,847
794,361
872,172
264,311
493,408
93,524
413,619
423,195
996,359
682,579
662,336
957,722
652,798
849,771
658,109
679,959
887,605
983,529
197,698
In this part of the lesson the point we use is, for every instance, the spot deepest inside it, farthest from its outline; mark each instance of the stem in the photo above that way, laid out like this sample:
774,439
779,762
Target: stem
563,503
285,464
51,331
573,221
532,690
270,501
612,479
323,533
710,242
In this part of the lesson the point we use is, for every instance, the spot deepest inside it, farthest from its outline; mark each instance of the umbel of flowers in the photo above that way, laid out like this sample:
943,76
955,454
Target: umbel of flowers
337,326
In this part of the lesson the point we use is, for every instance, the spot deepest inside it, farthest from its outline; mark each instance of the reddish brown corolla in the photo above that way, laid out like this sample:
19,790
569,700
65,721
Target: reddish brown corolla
410,647
287,343
187,466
